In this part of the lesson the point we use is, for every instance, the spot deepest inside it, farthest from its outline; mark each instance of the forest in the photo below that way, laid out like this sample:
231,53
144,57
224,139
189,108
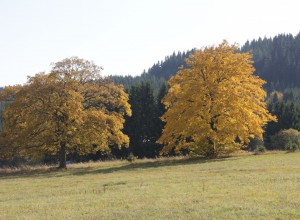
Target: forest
276,60
136,112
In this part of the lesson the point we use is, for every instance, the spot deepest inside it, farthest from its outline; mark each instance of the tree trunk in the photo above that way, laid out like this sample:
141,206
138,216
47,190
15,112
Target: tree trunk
212,151
62,156
215,150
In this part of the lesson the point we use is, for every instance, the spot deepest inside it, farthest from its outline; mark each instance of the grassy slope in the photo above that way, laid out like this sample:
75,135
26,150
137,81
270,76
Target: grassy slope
248,187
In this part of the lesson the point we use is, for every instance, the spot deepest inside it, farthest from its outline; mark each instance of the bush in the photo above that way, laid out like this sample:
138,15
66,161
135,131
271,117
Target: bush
259,149
286,140
291,147
131,157
255,144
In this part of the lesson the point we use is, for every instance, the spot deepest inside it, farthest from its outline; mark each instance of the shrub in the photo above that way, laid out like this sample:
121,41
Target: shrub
286,140
255,144
291,147
131,157
259,149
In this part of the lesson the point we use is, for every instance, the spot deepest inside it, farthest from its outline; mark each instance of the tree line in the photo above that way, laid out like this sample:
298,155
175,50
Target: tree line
276,60
141,122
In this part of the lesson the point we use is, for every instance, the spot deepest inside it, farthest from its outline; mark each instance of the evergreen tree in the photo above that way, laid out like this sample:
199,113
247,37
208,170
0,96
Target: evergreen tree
276,60
141,127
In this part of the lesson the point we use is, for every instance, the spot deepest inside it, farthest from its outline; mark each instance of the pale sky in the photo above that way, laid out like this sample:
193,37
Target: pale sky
127,36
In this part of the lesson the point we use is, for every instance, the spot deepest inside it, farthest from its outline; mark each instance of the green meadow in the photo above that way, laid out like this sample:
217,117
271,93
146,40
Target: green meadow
263,186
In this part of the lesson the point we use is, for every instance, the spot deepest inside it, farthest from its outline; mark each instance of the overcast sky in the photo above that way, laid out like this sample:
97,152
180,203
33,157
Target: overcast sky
128,36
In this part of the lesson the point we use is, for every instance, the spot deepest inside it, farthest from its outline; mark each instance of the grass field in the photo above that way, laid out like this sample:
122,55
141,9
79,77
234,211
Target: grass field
244,187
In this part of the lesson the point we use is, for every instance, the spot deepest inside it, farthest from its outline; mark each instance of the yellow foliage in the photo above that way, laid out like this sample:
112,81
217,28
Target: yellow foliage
275,95
71,109
214,102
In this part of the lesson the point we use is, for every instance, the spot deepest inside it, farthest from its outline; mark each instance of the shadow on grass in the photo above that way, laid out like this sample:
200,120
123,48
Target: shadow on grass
140,164
146,165
28,173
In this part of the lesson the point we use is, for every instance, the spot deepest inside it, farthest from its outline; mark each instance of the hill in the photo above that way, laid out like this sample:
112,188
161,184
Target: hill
243,187
277,60
156,75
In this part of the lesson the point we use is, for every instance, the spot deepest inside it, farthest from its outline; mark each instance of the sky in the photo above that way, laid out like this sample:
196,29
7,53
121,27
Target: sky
127,36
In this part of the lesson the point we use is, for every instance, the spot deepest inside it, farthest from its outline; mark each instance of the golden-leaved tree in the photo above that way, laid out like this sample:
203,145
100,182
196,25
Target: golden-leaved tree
71,109
215,105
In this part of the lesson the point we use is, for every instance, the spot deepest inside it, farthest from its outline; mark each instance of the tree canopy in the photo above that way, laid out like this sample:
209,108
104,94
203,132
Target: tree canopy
216,104
70,109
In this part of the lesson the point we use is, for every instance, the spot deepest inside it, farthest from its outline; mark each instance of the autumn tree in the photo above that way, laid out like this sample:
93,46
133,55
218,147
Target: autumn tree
70,109
215,105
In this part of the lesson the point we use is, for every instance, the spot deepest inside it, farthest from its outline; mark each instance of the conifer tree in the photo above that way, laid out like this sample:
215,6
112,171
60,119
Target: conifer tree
143,127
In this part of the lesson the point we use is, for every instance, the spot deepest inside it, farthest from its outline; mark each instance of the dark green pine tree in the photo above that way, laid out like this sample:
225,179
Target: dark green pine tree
276,60
141,127
288,115
292,116
160,109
